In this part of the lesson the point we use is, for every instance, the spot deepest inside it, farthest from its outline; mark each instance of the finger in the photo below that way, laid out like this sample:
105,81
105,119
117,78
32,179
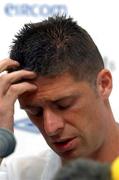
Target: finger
16,90
7,63
15,77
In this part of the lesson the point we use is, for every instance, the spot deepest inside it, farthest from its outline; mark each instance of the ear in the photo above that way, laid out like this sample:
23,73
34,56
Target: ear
104,83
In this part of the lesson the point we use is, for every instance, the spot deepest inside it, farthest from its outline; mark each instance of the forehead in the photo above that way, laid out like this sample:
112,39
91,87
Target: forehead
54,81
54,88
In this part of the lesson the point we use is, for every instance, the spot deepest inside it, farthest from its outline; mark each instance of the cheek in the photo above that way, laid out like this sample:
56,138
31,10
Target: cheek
84,119
75,117
88,125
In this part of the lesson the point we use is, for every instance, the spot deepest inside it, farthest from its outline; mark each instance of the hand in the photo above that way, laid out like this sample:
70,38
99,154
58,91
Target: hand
10,89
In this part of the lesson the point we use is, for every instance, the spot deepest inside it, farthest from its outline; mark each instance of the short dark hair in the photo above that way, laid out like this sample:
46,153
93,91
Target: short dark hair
84,169
56,45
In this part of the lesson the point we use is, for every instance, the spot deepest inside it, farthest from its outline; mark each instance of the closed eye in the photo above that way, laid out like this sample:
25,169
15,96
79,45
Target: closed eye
35,111
63,106
65,103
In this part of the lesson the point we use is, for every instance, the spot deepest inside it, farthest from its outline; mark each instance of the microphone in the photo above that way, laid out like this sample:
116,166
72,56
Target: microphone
85,169
7,142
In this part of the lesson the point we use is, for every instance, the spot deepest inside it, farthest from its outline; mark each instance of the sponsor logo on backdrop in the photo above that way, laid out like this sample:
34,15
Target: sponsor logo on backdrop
34,10
26,125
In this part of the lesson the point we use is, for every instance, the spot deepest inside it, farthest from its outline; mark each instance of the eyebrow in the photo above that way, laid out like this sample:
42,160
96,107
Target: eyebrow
53,101
65,98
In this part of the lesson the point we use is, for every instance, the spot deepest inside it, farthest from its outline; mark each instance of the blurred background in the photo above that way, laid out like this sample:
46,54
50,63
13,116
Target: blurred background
98,17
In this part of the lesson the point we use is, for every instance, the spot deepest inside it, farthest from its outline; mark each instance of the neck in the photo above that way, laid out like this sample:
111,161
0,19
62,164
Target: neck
110,147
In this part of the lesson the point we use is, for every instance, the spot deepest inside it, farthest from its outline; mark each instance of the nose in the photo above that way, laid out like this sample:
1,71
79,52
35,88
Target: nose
53,123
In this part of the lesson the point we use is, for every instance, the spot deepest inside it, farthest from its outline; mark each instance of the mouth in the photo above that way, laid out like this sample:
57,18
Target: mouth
65,145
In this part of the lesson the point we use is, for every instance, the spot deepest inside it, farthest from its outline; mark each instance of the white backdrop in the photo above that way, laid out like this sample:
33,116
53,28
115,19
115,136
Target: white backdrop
98,17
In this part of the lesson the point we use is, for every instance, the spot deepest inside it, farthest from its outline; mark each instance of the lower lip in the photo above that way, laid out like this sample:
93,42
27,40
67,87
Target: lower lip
66,146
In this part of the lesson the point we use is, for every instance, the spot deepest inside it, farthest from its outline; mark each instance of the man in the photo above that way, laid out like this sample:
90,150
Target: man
58,75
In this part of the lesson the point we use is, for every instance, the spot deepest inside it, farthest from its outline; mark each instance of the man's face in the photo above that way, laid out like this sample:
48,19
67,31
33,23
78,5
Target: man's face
68,113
